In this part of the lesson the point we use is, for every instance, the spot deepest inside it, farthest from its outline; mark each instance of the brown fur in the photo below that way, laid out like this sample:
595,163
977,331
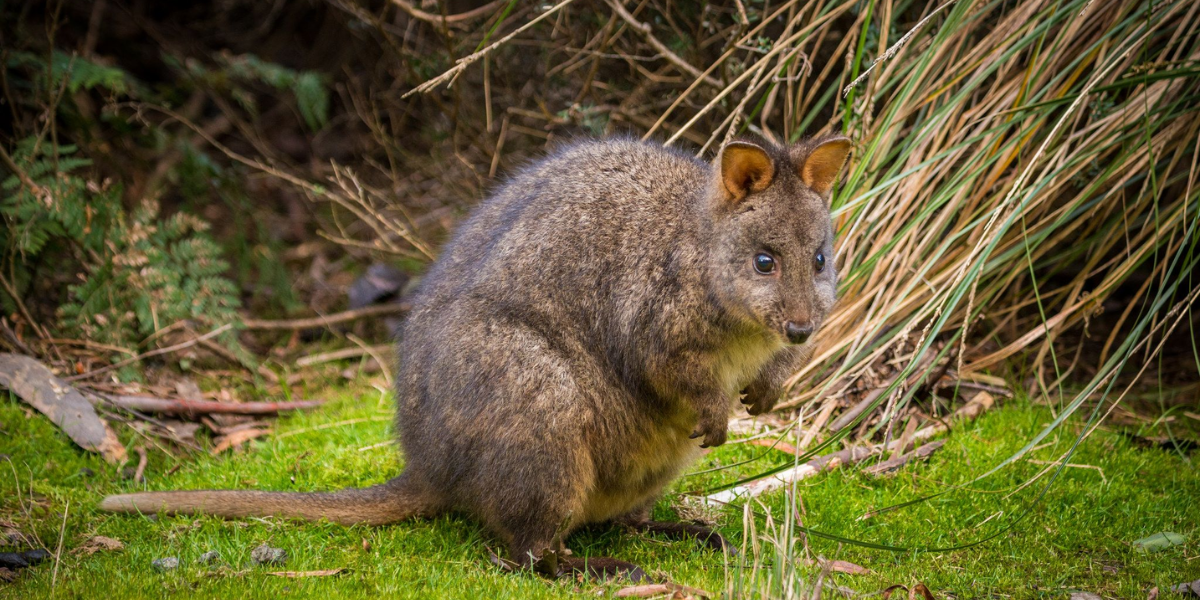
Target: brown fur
585,324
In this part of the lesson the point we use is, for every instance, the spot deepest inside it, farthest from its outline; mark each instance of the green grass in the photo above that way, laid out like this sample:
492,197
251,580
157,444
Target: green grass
1078,537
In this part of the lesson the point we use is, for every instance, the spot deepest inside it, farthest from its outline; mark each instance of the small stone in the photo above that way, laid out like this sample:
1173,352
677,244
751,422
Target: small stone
209,558
266,555
34,557
13,560
165,564
22,560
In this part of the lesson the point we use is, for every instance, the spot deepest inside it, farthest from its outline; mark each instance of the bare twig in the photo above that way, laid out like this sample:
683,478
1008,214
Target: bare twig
261,369
13,339
892,464
327,320
38,191
151,353
343,354
456,19
453,72
62,532
661,48
238,438
139,474
894,48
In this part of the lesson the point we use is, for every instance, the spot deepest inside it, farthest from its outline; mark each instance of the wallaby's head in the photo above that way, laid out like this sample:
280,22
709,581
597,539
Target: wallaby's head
773,246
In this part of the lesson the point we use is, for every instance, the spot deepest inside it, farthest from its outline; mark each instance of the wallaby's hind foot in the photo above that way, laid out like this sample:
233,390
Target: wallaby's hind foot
602,568
703,534
557,564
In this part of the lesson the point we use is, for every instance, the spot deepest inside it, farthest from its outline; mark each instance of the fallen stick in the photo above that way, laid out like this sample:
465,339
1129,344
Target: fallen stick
206,407
455,20
974,385
661,48
918,378
139,474
893,464
343,354
327,320
980,403
225,353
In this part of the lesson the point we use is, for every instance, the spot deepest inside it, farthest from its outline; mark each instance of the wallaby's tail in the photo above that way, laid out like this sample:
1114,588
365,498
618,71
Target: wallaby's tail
395,500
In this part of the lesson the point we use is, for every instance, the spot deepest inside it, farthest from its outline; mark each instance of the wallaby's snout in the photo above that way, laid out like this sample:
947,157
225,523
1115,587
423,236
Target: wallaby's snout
798,332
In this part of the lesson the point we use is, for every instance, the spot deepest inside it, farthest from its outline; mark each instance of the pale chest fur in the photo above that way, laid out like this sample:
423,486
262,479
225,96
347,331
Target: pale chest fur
665,449
738,364
650,461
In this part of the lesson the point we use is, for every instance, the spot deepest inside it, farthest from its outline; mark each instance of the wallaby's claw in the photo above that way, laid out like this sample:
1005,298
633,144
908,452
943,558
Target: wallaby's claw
761,401
713,431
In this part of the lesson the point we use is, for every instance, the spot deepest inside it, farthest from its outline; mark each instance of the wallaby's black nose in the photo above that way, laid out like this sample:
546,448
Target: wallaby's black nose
797,334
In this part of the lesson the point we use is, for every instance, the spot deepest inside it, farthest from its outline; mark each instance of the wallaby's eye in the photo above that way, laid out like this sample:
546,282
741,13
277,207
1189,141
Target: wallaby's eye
764,263
819,261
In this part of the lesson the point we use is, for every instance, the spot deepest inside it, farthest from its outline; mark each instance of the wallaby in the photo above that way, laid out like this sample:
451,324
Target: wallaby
582,337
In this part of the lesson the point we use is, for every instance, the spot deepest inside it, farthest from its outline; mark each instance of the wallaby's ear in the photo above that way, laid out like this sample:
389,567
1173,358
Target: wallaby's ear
824,163
745,168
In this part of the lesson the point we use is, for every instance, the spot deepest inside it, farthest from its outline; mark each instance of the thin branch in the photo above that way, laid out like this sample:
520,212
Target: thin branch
662,48
159,351
343,354
327,320
456,19
453,72
139,474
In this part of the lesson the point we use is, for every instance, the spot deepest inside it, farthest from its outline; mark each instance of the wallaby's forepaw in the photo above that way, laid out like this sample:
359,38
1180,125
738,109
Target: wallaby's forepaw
713,429
761,399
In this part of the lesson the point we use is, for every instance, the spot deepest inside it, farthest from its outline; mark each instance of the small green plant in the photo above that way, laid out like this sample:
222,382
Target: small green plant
138,272
75,72
114,269
236,72
159,272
